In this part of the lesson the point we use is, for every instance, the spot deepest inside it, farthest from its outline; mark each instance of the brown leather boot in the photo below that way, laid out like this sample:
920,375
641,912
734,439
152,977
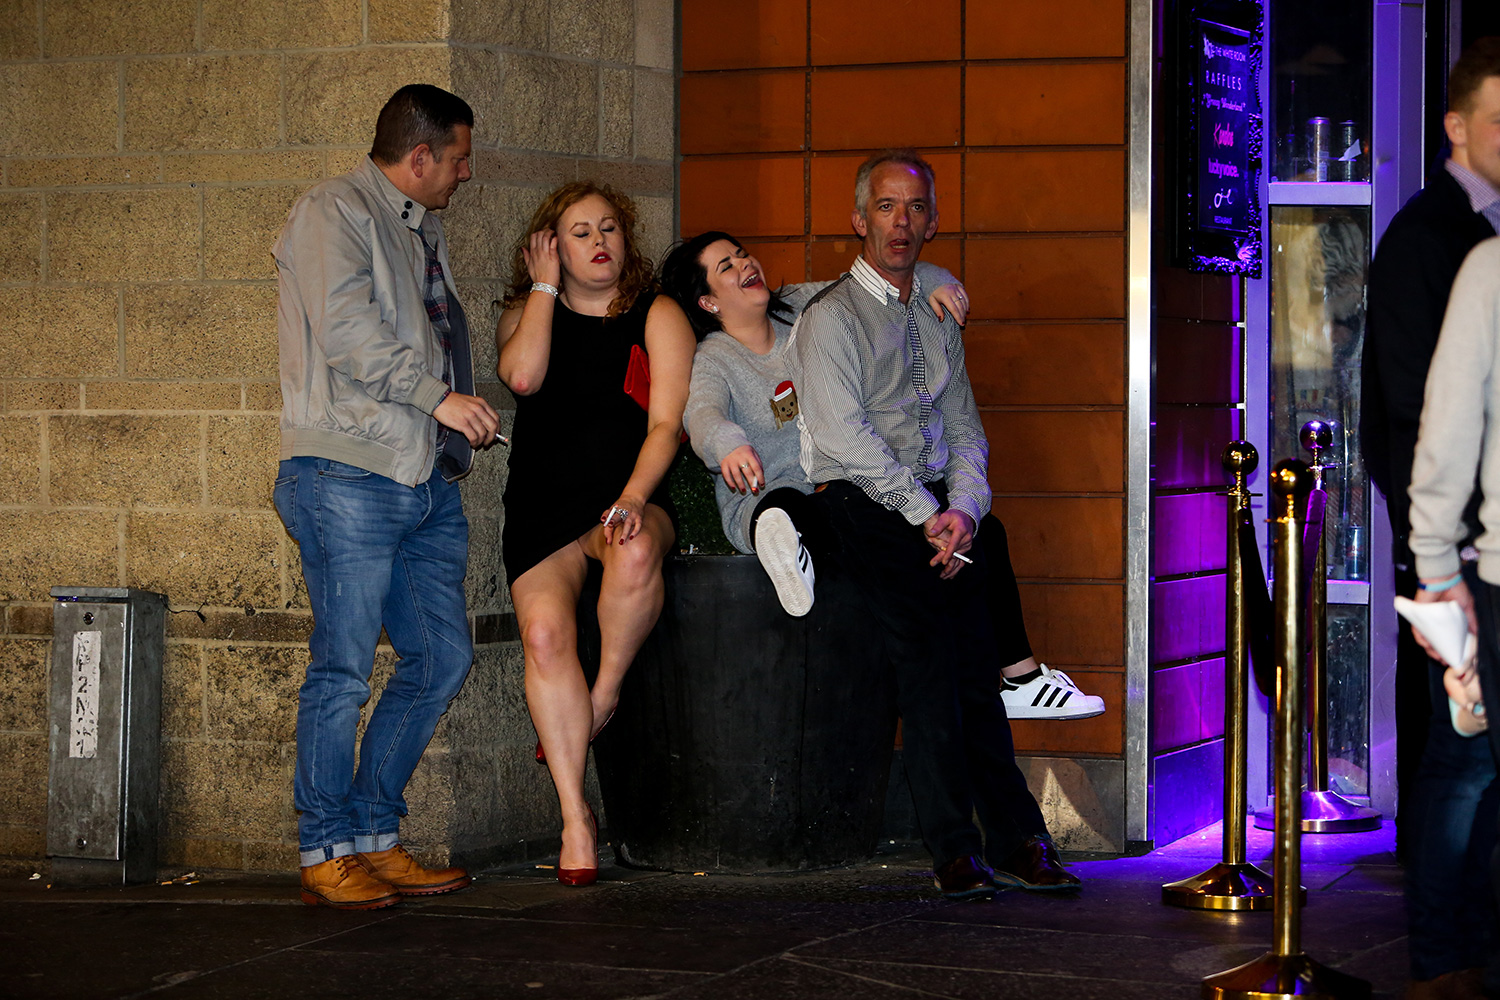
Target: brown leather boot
343,884
402,872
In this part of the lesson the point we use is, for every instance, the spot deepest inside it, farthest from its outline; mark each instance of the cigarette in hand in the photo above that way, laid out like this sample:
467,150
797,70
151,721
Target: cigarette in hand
963,558
501,438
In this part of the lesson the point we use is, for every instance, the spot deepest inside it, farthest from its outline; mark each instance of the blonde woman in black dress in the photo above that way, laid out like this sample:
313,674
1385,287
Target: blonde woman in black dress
587,469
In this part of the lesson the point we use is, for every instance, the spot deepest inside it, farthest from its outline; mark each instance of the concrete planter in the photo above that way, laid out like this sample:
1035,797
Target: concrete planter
748,740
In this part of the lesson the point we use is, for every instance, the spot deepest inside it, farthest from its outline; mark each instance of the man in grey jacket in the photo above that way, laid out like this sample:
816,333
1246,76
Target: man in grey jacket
378,422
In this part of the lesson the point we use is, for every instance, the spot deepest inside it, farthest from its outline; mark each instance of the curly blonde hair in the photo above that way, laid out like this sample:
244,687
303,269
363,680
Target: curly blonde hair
636,273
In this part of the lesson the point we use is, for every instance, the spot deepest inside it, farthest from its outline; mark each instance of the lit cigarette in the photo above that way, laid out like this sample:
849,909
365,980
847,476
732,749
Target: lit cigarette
501,438
754,482
963,558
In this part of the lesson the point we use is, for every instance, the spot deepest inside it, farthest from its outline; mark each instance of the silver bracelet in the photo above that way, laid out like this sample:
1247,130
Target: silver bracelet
542,286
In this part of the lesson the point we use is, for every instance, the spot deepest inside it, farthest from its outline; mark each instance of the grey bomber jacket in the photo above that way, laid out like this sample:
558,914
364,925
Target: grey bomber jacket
360,362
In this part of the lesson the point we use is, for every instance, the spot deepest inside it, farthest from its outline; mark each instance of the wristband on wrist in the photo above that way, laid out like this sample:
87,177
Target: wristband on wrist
1442,585
542,286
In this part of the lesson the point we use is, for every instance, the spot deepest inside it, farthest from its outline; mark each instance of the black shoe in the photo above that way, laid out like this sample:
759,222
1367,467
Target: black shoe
965,878
1035,866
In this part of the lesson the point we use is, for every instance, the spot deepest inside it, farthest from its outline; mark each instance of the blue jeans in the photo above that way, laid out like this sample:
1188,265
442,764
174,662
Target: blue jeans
1487,610
374,553
1447,892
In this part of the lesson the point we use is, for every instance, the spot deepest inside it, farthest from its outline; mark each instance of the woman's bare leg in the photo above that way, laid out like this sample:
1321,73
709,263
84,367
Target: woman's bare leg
630,601
546,602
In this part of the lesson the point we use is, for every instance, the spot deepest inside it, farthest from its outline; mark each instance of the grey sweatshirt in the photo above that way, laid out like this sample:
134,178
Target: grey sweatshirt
1462,397
731,402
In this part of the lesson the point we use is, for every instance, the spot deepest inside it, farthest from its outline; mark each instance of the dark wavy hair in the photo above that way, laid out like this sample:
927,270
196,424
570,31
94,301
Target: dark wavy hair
636,275
684,277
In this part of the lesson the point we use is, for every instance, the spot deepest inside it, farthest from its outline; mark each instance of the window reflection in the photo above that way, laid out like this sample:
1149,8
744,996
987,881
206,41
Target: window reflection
1348,695
1321,55
1320,258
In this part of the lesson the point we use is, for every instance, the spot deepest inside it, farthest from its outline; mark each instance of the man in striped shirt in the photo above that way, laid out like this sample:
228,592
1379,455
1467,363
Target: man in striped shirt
892,438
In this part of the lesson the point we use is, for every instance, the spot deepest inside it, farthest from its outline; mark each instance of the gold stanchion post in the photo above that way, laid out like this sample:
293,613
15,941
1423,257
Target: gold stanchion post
1285,971
1323,810
1233,883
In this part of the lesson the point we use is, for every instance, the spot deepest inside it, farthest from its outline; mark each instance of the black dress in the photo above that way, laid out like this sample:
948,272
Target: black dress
576,439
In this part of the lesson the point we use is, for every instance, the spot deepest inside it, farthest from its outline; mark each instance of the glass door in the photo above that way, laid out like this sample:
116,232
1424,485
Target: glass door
1342,87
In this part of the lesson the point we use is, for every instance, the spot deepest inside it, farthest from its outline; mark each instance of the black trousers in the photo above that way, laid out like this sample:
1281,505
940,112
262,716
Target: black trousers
1002,595
1413,709
941,644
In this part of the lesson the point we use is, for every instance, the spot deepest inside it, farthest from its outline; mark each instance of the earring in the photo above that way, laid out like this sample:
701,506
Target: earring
716,310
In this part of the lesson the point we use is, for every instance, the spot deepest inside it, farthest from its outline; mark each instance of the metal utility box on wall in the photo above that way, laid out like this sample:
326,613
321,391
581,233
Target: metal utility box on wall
104,713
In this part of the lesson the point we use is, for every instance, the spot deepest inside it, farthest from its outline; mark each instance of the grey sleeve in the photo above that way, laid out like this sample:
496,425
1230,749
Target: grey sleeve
706,418
1453,414
934,277
799,295
968,447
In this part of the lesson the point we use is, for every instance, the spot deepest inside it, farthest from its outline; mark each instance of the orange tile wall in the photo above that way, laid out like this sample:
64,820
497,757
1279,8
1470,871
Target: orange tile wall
1025,125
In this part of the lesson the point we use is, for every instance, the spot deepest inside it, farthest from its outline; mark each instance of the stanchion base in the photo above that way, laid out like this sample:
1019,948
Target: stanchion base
1224,887
1273,976
1325,812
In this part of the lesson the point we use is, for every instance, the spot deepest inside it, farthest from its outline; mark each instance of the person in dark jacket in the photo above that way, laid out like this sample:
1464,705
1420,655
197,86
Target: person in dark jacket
1440,776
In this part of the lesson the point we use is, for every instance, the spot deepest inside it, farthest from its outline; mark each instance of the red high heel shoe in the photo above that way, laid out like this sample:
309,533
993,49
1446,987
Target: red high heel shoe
582,876
541,755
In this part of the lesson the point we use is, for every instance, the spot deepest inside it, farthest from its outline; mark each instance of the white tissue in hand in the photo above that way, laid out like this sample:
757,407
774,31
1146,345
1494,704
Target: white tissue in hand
1444,626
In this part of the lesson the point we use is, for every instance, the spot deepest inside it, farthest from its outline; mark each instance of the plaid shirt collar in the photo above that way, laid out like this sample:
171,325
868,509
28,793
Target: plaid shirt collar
1483,198
410,212
871,281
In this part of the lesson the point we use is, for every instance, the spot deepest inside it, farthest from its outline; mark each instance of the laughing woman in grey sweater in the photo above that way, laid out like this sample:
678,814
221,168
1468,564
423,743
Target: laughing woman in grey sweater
742,403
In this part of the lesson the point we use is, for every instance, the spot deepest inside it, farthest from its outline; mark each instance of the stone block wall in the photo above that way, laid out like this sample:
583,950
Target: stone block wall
148,156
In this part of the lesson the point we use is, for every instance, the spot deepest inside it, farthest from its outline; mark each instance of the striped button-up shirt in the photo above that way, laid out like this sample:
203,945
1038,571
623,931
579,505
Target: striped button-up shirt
885,399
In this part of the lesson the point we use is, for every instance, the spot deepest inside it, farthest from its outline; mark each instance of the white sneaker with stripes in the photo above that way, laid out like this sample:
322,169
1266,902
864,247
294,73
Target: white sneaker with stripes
1051,695
779,547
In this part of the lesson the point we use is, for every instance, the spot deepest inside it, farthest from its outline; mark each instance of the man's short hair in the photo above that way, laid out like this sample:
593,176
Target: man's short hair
1479,62
906,157
418,114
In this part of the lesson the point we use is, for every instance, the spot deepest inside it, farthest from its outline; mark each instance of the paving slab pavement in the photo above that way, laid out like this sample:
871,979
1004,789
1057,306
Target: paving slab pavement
876,930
